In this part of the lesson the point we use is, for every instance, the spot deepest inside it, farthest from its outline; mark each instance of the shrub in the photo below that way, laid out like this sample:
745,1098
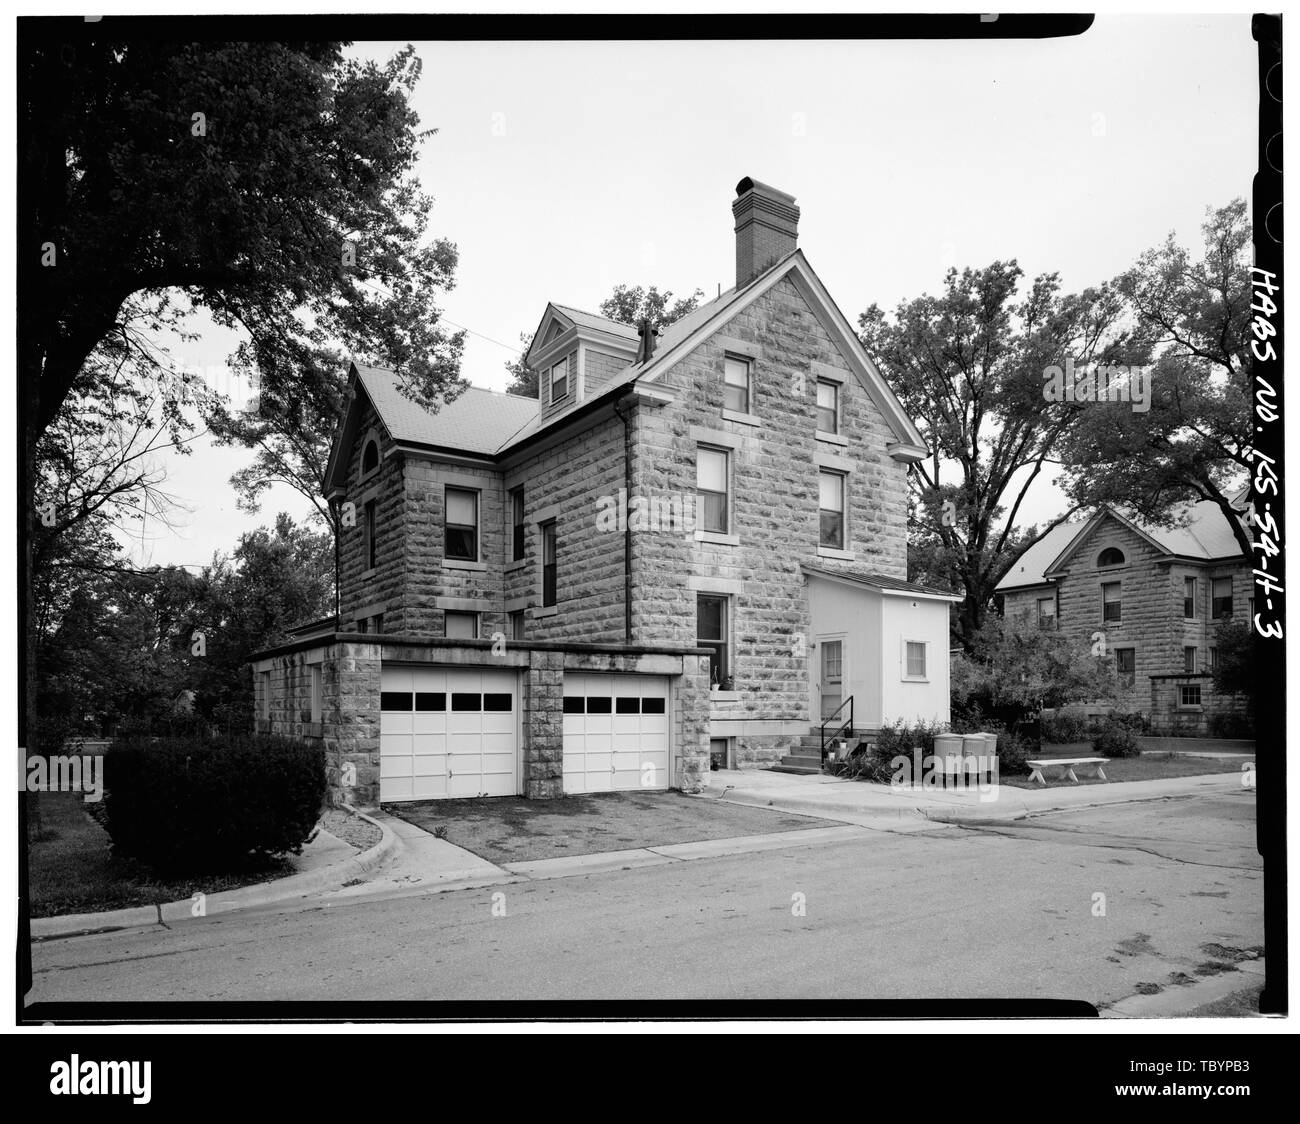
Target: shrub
1062,729
902,739
1013,751
1115,739
860,766
201,804
1232,725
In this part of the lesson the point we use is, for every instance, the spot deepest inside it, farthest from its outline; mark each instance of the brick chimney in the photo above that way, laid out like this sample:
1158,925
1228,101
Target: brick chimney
767,228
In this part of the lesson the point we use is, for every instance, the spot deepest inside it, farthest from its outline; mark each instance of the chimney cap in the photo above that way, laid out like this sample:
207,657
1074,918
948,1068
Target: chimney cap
751,184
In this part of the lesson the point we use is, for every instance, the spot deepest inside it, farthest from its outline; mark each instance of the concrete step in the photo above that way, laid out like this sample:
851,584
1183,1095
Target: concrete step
803,761
795,769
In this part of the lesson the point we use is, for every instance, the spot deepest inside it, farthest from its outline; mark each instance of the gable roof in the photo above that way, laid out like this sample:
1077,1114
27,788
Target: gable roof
1206,537
489,423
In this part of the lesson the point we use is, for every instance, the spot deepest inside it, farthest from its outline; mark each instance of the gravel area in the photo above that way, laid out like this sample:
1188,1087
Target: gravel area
351,829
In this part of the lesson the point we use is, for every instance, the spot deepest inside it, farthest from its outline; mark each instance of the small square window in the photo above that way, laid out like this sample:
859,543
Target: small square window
735,387
915,659
828,407
1189,694
461,626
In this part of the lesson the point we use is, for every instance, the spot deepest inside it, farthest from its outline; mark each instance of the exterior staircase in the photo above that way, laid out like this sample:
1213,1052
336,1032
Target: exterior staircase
806,754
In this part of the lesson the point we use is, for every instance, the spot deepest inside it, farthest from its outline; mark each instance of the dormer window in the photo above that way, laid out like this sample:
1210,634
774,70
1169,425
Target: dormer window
1111,556
560,380
370,457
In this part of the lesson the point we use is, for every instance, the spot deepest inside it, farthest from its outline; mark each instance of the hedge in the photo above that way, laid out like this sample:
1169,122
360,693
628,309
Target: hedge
203,804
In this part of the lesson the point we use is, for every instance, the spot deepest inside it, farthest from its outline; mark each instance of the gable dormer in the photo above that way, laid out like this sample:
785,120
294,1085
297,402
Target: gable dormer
575,354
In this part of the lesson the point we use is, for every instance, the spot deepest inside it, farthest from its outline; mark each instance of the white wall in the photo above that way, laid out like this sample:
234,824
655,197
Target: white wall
902,619
855,613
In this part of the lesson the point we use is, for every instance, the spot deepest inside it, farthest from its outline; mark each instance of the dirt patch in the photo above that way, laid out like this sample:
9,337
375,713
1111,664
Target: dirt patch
508,829
1213,968
1138,944
1227,952
1149,989
353,830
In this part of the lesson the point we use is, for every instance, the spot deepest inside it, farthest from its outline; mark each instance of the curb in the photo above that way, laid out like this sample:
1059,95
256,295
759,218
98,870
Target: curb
1175,1001
262,893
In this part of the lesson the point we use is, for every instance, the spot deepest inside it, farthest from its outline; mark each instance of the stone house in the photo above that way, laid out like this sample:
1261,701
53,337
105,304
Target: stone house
1155,596
689,549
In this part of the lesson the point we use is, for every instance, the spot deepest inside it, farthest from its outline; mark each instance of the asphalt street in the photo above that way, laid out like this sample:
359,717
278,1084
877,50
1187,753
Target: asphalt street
1094,904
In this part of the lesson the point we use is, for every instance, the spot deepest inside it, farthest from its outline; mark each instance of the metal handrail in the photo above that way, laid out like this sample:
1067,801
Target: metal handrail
843,725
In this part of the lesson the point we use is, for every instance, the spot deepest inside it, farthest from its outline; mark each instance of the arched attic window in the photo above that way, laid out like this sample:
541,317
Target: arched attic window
370,457
1111,556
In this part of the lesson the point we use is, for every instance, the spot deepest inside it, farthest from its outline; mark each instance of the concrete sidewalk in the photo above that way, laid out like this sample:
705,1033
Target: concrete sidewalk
914,808
325,862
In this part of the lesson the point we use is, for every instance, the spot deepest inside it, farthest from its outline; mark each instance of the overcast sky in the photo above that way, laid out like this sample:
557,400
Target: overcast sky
561,170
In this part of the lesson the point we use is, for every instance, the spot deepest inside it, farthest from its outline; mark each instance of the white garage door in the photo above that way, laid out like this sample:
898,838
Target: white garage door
615,732
448,732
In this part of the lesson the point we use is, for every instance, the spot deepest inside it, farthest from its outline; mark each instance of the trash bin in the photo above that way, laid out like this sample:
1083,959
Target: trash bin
948,748
978,745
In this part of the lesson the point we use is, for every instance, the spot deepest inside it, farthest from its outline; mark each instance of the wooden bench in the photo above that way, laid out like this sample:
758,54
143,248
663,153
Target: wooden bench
1068,764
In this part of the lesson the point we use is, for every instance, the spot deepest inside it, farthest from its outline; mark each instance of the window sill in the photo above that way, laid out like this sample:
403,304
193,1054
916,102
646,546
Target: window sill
832,552
742,418
366,575
517,564
717,538
832,438
462,564
542,612
914,679
724,696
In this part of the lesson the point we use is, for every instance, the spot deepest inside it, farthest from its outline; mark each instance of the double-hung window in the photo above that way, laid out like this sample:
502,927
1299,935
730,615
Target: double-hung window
462,524
828,407
1047,613
914,654
735,384
1126,665
1110,601
517,524
1189,659
1189,598
548,563
1221,598
831,509
711,633
560,380
711,476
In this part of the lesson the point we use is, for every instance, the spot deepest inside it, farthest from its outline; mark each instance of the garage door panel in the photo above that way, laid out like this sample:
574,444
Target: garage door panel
438,740
621,726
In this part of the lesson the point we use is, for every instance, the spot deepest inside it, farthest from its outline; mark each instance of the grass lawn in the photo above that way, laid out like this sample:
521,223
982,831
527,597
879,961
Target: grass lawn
1147,767
1240,1004
506,829
71,868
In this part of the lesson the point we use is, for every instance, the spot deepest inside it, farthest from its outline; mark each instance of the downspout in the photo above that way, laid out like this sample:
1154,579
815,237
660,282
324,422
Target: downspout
627,521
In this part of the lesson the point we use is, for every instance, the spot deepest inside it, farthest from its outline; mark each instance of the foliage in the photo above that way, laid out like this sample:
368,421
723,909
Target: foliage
1065,729
1115,738
1234,673
968,366
1017,669
902,739
1232,724
191,804
628,304
1193,315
